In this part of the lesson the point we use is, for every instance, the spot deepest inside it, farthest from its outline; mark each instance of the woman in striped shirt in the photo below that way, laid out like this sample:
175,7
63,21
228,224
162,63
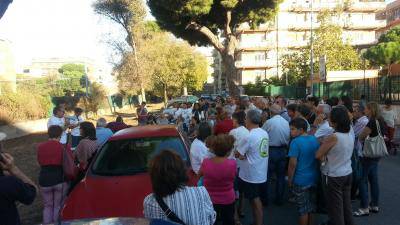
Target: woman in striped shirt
191,205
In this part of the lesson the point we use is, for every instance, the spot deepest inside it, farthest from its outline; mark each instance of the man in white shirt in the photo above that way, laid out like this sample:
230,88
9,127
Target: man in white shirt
321,125
75,121
230,106
58,119
254,167
198,149
279,133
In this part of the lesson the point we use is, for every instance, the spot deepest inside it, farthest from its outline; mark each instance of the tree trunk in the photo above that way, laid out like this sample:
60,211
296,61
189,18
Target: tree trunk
165,96
231,72
185,92
143,94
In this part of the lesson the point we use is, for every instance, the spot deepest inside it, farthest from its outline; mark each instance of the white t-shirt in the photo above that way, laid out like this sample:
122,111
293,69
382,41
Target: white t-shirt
241,134
59,122
324,130
255,167
198,152
74,120
389,117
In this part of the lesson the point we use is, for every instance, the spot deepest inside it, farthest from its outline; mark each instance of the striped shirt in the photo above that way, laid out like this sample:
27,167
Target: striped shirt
84,151
191,204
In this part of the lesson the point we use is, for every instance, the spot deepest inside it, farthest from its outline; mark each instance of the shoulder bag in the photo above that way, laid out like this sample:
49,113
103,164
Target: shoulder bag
375,147
68,164
168,212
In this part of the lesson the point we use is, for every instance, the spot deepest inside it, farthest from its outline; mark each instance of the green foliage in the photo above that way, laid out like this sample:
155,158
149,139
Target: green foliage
176,15
296,66
387,51
96,99
384,53
328,41
256,89
23,105
71,81
393,35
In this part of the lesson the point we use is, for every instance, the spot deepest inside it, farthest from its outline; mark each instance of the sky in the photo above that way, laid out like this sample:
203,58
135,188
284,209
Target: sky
58,28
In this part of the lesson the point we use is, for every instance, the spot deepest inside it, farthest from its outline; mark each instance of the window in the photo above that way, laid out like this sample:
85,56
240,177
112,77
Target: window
260,57
131,156
260,73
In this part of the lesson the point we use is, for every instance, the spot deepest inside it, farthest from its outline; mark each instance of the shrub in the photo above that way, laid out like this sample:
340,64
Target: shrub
23,105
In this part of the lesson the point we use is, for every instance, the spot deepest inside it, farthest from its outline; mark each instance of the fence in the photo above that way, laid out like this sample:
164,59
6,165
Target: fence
375,89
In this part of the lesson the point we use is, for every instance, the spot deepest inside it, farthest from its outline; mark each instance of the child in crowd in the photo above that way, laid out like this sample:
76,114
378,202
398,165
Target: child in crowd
218,174
302,173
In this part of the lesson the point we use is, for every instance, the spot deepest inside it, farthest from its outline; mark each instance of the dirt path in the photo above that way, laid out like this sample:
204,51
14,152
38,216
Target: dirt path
24,151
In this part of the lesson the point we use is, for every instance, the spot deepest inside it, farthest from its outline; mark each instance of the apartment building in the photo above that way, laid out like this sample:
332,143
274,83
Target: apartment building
392,16
260,50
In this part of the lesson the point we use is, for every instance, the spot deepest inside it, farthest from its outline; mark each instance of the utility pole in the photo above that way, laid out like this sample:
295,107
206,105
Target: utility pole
312,49
86,81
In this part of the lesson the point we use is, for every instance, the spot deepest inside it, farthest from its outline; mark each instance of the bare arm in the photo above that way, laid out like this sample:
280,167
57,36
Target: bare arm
364,133
326,146
8,165
292,169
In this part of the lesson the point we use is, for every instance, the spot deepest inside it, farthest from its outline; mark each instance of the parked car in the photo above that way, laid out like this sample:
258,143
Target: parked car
184,98
117,181
117,221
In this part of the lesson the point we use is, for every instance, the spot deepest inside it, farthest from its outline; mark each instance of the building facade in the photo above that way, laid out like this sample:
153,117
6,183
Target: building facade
392,16
260,50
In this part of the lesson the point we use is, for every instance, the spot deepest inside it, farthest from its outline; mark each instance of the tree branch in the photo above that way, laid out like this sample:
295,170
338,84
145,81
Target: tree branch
228,29
214,40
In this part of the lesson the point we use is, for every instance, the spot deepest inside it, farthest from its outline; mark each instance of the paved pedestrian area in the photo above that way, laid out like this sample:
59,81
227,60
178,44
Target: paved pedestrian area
389,174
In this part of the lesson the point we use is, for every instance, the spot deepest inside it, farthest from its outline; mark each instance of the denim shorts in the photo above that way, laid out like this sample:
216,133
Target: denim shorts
305,198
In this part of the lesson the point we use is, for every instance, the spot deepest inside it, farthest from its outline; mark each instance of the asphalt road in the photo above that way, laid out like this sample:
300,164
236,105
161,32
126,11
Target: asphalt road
389,181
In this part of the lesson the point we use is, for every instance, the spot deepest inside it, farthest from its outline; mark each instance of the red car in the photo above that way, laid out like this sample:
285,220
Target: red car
117,181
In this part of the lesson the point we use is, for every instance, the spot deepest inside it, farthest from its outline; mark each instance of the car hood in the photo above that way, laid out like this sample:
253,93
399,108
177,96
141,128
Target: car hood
99,197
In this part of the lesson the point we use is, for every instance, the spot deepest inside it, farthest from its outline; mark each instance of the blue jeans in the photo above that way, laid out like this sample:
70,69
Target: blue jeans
277,165
369,174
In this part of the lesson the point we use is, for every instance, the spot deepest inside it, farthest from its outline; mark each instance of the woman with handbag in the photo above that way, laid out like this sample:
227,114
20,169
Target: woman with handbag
52,178
373,149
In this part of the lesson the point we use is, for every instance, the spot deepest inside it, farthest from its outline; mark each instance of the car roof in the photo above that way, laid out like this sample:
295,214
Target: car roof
146,131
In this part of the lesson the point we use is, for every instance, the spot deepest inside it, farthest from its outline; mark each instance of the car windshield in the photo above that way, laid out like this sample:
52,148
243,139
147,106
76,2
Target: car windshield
131,156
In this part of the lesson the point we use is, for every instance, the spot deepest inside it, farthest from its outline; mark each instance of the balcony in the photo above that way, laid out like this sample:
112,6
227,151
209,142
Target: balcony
364,25
366,6
264,64
253,45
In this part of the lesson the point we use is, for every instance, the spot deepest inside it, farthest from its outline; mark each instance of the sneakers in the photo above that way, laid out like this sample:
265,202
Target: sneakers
374,209
361,212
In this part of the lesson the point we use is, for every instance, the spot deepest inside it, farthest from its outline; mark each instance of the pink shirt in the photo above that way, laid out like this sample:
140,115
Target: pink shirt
218,180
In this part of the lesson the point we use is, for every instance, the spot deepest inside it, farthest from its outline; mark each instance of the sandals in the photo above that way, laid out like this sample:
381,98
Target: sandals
361,212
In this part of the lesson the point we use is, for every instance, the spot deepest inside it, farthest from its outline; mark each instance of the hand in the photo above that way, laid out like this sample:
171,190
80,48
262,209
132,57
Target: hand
8,162
319,119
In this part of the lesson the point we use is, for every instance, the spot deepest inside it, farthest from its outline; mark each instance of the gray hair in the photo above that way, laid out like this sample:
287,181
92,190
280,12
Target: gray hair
254,116
326,109
101,122
275,109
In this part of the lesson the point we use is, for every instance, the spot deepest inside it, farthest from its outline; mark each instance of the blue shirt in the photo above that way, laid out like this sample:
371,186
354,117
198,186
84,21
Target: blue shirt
102,135
304,148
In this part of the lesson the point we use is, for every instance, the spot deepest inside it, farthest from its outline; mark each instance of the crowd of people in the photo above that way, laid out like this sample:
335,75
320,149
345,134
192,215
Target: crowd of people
323,152
70,139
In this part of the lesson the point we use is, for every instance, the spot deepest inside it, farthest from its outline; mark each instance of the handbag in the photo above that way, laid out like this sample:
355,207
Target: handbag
69,168
375,147
168,212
